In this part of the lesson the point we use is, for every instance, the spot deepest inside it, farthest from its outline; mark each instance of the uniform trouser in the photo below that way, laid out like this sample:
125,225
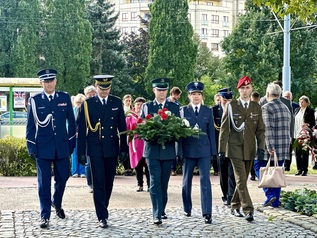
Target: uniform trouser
227,181
160,171
287,163
139,172
241,196
302,160
88,172
61,174
203,165
269,192
215,165
103,171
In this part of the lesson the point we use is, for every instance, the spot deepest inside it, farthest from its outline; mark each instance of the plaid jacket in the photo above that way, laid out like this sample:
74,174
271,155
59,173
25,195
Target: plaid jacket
276,118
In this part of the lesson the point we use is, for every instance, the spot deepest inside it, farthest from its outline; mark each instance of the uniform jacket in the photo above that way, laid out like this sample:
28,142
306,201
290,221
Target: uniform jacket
105,142
205,145
153,150
242,144
136,146
276,118
217,113
309,116
58,134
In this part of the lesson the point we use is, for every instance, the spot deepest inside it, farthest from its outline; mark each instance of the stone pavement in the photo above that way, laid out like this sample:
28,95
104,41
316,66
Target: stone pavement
130,212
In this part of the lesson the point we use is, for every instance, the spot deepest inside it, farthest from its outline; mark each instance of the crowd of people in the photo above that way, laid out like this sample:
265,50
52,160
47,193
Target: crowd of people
238,137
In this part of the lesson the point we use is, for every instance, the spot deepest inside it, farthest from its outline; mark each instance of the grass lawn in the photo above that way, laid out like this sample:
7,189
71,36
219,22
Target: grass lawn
293,170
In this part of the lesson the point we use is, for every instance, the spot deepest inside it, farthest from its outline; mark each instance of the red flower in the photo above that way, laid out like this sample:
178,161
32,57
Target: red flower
134,126
164,116
148,116
164,109
139,120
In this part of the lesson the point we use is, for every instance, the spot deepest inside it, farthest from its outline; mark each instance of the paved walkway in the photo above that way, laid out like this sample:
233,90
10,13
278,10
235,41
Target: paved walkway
130,212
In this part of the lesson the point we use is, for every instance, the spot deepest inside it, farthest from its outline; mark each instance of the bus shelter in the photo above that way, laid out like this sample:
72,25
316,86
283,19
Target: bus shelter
14,95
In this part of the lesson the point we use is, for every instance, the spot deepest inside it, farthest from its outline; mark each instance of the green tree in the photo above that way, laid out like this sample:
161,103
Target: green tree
172,49
136,53
25,51
107,55
67,41
251,49
305,10
210,71
8,29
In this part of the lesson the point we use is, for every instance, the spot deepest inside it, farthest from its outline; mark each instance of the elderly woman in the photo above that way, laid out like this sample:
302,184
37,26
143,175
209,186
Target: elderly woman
304,118
78,170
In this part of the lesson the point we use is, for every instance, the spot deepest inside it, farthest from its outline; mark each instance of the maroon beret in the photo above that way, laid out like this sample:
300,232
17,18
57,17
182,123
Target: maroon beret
245,80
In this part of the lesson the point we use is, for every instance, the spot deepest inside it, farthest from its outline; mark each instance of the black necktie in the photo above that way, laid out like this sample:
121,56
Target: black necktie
196,111
51,98
160,106
246,106
104,102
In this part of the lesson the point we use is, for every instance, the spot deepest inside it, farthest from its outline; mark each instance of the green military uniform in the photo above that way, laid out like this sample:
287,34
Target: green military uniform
239,144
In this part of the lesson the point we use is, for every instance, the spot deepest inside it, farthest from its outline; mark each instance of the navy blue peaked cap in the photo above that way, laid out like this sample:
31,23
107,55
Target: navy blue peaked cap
47,74
195,87
226,93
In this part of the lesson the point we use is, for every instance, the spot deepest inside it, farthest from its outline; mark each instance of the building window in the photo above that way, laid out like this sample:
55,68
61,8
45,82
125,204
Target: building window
204,19
214,47
225,33
124,29
214,33
225,21
125,17
204,33
134,29
209,3
189,17
134,16
146,16
215,19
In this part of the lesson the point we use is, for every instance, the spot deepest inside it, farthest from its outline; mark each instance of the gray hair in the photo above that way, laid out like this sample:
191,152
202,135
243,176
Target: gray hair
274,90
305,98
89,89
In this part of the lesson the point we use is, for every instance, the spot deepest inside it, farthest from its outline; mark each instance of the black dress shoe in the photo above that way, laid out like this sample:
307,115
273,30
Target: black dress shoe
103,223
304,174
236,212
249,217
298,173
207,219
60,213
45,223
188,214
157,221
252,177
164,216
140,189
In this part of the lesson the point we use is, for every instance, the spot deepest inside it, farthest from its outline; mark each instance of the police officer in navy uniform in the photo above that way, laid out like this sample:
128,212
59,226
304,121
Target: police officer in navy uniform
159,160
227,181
100,119
198,151
50,137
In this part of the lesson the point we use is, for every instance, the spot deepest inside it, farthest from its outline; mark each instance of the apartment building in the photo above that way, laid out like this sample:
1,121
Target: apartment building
212,20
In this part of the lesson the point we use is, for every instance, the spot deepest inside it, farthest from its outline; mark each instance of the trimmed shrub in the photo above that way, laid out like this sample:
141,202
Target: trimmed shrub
14,158
302,201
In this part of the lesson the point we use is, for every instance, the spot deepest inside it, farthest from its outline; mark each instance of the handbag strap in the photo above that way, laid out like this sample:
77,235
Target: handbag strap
274,159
